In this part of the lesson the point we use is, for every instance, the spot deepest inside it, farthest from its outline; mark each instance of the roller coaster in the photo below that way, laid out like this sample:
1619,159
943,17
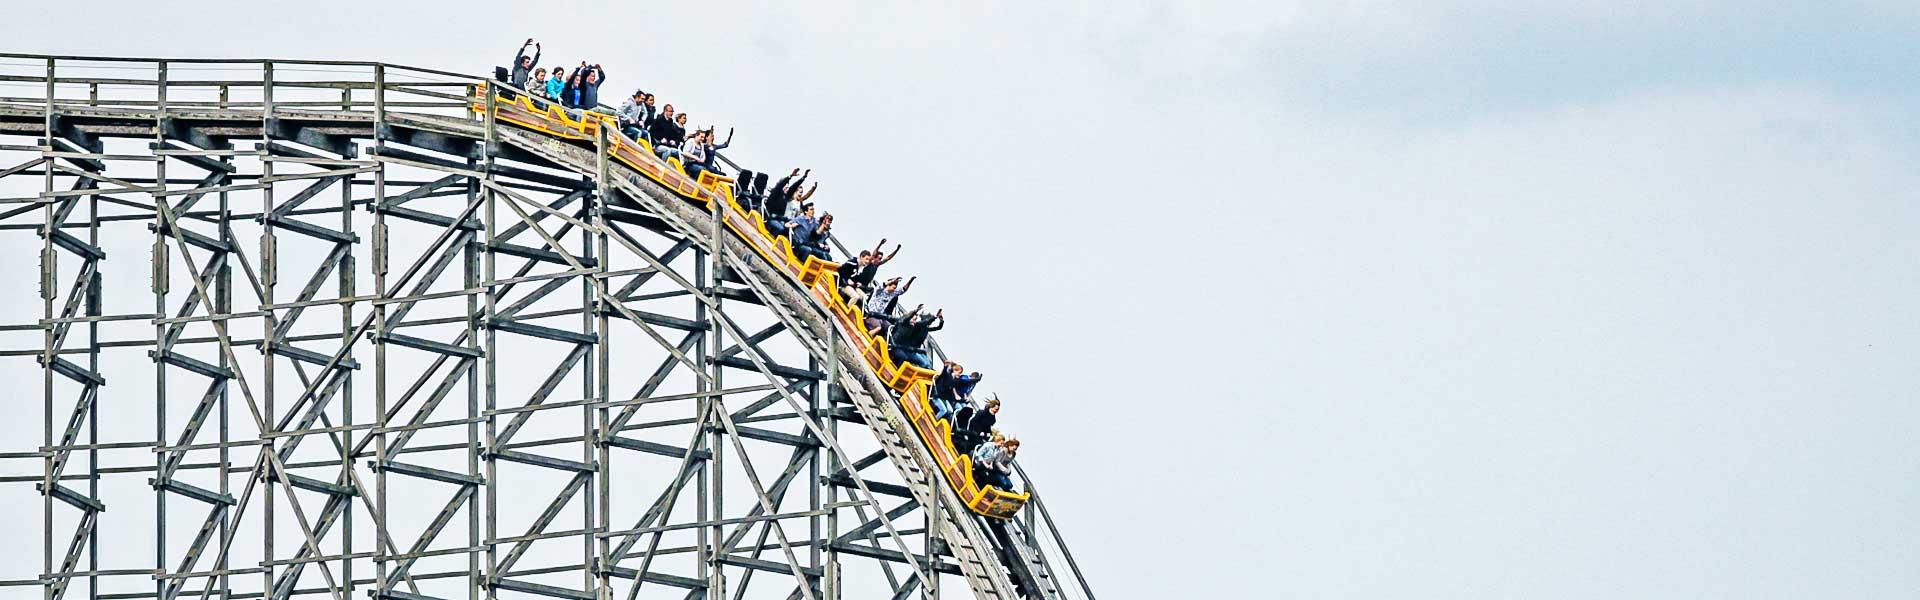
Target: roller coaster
574,358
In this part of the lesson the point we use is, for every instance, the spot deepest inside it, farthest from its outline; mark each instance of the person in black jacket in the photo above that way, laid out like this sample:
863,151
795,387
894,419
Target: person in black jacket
851,293
783,195
675,132
973,427
661,130
910,337
570,92
864,276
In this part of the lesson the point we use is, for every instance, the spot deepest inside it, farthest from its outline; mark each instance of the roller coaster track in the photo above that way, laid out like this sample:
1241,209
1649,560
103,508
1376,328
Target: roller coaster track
222,170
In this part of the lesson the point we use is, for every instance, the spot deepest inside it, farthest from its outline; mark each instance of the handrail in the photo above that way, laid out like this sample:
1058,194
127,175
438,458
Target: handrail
204,61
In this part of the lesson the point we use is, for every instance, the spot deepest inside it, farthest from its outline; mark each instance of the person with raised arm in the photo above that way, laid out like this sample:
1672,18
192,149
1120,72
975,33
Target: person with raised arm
863,277
879,305
570,93
850,293
712,151
909,340
590,88
523,64
780,199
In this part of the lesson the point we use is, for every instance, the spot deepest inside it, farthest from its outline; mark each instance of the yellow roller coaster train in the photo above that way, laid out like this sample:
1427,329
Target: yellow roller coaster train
817,276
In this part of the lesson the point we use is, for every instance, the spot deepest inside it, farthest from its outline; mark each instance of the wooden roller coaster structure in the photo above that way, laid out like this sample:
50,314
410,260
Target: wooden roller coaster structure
386,330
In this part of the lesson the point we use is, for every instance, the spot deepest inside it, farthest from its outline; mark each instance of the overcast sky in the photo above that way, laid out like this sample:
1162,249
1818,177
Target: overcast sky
1335,300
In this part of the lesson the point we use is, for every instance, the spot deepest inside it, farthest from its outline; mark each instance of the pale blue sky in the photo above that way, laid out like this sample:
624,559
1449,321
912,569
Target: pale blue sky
1360,300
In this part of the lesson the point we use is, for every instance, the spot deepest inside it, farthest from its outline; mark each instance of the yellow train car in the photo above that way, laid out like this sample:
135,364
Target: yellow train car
819,277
